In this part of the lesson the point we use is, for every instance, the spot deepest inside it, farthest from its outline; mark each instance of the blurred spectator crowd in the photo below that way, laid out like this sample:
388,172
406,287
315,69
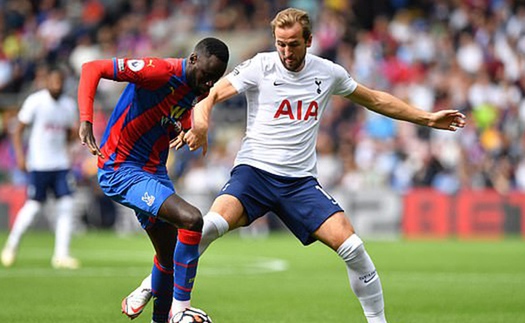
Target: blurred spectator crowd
467,55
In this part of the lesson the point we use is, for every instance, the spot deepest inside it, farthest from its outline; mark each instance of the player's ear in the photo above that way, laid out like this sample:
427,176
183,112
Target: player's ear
193,58
309,41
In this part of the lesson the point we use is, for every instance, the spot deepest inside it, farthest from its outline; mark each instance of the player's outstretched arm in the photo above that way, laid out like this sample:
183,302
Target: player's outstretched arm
197,136
390,106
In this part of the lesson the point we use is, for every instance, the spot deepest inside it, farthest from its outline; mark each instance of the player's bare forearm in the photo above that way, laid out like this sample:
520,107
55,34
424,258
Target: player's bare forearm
388,105
19,150
221,91
391,106
18,145
197,137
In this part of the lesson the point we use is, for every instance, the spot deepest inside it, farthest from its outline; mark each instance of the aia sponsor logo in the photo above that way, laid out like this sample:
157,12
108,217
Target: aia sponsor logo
298,111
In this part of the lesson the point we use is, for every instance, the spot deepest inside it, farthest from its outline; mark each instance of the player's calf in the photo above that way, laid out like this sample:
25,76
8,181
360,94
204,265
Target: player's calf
364,279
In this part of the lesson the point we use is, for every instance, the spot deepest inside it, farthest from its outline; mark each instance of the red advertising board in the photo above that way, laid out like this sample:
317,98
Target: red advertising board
14,197
427,214
470,214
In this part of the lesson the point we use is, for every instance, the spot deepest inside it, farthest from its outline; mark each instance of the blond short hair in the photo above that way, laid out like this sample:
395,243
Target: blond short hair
288,17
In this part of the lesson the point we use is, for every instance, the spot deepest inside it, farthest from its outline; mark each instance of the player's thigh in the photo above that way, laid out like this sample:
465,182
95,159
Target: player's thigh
63,183
246,197
304,207
37,185
335,230
143,192
231,209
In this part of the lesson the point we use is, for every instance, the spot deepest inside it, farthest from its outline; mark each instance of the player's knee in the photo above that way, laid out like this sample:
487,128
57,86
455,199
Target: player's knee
351,249
33,205
191,219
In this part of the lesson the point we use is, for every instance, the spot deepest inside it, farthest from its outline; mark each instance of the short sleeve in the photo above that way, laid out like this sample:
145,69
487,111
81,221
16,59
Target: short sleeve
27,112
246,75
344,84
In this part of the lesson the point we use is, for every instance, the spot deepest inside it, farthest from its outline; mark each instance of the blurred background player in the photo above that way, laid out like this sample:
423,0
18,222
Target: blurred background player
134,150
52,117
275,170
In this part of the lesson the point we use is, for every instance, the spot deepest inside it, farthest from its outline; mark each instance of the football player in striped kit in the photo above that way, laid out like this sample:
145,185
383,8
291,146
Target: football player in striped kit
133,151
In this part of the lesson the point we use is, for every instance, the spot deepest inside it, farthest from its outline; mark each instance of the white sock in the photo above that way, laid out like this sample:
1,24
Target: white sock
24,218
364,280
64,226
213,228
179,306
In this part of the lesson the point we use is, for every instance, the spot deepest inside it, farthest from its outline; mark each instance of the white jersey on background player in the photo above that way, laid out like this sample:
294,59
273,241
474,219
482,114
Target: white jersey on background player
52,118
50,121
284,111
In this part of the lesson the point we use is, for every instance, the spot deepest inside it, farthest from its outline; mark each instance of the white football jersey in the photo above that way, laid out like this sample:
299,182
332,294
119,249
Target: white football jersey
284,111
50,121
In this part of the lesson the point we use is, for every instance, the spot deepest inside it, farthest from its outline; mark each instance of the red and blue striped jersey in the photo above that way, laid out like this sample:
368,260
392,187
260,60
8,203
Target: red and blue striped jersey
147,114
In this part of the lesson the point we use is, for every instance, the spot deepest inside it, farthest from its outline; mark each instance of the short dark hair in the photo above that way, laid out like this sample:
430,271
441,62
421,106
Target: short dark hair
212,46
58,69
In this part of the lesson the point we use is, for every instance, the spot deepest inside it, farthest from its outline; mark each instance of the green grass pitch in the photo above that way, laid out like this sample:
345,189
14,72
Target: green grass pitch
272,281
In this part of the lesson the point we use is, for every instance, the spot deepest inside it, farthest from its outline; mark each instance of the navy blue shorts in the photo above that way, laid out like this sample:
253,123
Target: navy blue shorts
301,203
141,191
61,182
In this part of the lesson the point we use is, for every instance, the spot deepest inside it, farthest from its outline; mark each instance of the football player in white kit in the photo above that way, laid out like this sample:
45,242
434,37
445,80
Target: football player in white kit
52,117
287,92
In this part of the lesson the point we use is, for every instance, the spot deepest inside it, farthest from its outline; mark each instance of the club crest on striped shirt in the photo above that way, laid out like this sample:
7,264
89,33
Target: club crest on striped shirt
149,199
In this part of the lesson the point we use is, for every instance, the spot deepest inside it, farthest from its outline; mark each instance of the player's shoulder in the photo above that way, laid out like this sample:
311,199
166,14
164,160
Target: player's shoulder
38,94
266,58
267,55
260,62
68,100
173,61
37,97
325,66
149,63
174,66
320,62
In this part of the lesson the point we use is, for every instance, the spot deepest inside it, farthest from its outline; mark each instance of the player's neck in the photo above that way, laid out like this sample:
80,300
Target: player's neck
298,69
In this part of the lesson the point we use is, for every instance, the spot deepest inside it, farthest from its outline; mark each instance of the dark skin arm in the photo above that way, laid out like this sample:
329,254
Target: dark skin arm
85,132
18,146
